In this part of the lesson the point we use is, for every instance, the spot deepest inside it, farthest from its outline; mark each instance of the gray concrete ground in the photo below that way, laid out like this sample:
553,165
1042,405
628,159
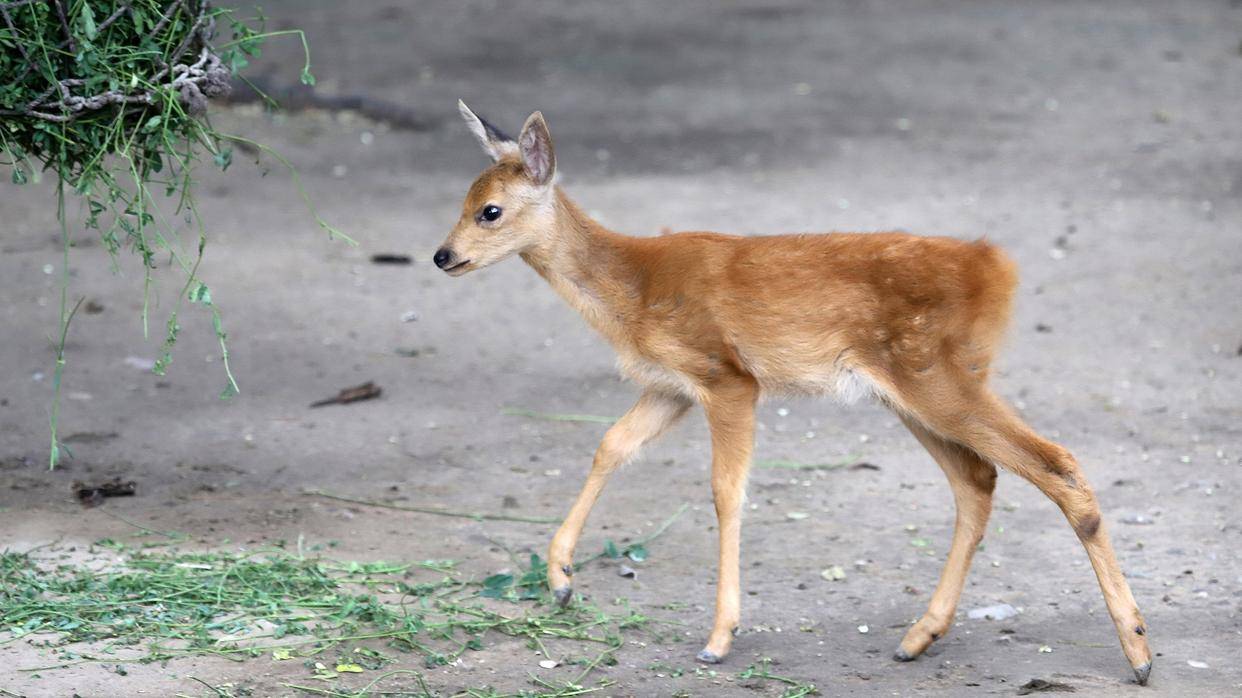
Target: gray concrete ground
1099,143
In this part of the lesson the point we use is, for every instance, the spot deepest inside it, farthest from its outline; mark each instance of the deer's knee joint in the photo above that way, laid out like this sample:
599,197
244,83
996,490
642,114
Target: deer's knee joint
985,480
613,450
1087,526
1058,460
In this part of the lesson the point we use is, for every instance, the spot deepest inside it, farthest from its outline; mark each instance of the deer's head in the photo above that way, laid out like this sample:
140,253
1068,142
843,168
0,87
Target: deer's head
510,207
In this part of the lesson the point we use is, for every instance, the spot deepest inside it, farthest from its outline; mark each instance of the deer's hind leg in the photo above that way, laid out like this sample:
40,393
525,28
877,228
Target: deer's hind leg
972,480
966,412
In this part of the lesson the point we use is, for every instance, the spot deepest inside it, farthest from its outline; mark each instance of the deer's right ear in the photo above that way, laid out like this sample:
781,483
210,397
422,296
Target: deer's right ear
495,143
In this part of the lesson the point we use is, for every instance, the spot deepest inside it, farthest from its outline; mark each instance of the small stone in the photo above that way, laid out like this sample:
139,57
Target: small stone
1000,611
549,663
864,629
833,574
140,363
1137,520
797,515
1045,649
1195,663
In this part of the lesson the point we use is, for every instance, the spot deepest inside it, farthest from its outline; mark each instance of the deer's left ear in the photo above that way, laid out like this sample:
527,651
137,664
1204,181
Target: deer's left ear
495,143
535,146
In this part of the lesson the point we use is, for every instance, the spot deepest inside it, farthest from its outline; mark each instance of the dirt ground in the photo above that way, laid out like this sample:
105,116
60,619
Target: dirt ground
1101,145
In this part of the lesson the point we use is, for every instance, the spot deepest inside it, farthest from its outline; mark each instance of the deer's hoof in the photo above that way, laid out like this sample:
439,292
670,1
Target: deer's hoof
708,657
1141,673
563,595
903,656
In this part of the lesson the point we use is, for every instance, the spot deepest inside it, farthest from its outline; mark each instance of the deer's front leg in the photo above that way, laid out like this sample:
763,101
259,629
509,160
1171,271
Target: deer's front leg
730,411
646,419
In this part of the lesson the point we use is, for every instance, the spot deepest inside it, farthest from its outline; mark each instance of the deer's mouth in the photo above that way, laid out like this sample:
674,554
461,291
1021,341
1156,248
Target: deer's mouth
460,268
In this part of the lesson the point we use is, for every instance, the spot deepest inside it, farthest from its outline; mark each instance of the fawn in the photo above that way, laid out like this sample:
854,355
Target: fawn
718,319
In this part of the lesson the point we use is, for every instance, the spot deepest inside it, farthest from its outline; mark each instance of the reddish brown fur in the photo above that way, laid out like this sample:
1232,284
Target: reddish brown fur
718,319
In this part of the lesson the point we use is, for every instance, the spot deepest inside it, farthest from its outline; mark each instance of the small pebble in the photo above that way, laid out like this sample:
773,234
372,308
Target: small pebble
1000,611
833,574
548,663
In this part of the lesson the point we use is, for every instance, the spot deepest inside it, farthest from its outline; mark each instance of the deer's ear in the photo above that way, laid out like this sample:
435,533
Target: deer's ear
535,145
495,143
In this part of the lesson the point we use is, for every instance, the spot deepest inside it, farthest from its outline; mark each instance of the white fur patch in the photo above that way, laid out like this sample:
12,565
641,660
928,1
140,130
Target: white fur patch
494,148
851,386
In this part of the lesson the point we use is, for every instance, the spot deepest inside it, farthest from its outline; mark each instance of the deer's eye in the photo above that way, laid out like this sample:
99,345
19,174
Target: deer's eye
490,213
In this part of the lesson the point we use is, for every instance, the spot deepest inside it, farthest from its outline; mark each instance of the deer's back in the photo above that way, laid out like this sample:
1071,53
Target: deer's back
818,313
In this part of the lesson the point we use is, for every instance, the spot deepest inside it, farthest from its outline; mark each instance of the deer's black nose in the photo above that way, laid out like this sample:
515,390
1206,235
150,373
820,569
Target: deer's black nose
443,258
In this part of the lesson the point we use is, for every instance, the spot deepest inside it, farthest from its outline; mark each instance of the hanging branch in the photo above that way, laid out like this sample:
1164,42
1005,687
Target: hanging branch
117,111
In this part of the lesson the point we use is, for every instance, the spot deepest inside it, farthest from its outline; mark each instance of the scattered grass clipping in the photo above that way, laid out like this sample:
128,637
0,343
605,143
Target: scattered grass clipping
337,618
354,628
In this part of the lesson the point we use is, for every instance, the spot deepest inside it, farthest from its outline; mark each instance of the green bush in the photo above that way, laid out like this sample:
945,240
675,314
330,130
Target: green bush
110,97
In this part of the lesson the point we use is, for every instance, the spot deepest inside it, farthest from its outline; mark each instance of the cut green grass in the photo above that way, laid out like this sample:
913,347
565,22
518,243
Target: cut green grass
154,606
347,623
125,604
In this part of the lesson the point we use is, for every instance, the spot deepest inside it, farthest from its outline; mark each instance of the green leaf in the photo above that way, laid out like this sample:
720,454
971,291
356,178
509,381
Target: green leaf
498,581
495,586
224,158
307,77
200,294
229,392
19,177
152,123
88,21
610,550
636,552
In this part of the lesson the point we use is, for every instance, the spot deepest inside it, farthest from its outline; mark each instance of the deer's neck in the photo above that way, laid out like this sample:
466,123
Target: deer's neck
585,264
